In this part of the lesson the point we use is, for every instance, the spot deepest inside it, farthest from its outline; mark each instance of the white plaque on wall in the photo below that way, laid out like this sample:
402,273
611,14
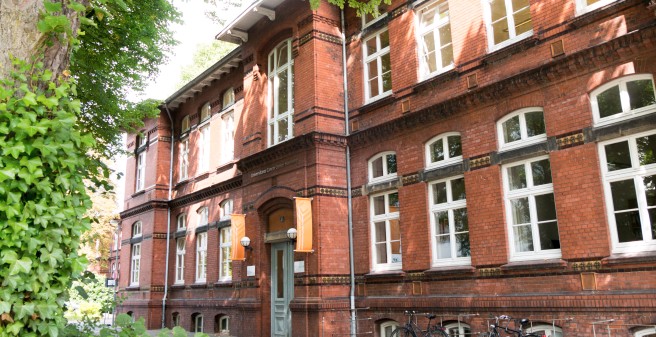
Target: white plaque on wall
299,266
250,270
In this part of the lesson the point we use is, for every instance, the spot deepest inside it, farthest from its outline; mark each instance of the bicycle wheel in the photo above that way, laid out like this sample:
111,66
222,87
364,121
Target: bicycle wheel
437,332
403,332
488,334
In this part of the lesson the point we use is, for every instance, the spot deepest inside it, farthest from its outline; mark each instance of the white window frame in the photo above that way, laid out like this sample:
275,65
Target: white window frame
201,257
525,140
529,192
135,264
582,7
184,159
274,115
366,23
185,125
438,23
386,176
445,144
198,323
203,216
228,98
624,98
226,209
548,330
386,217
225,248
179,260
380,52
449,207
141,171
645,332
205,112
137,229
512,37
636,172
228,148
226,319
387,324
204,148
460,326
181,222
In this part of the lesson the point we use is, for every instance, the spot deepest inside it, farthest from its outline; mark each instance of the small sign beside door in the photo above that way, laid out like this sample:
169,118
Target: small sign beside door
250,270
299,267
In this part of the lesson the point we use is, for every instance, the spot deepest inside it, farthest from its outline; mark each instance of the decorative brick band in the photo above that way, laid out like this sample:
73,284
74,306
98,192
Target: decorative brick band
410,179
570,140
586,265
239,89
157,289
356,192
159,236
164,139
487,272
396,12
248,59
320,36
314,17
480,162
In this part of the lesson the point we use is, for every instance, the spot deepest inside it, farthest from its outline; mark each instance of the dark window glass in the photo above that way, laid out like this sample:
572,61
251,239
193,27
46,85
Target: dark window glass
641,93
541,172
618,156
535,123
455,148
609,102
646,149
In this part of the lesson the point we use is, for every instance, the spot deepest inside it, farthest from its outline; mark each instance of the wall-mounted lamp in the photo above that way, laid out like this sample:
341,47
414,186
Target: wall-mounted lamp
246,242
291,233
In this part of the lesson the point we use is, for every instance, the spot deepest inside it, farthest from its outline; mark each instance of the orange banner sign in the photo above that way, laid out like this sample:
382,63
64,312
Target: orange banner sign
304,225
238,230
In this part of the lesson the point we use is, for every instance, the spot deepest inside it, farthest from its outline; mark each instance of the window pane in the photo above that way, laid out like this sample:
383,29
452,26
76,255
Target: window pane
443,247
458,189
381,235
523,238
283,131
650,190
371,46
609,102
429,52
462,245
546,207
280,285
442,223
396,252
522,19
437,150
393,202
534,123
377,167
395,230
387,72
624,195
652,219
439,193
282,92
498,9
384,39
646,147
628,226
379,205
617,156
445,34
641,93
541,172
282,55
520,211
447,56
381,253
517,177
511,130
391,163
455,148
460,220
549,235
500,29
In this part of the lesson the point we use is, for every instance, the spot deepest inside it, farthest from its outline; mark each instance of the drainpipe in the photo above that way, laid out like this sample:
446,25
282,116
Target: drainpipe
347,132
168,224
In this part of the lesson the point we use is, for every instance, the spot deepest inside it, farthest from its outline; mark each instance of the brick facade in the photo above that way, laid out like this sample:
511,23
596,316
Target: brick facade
588,277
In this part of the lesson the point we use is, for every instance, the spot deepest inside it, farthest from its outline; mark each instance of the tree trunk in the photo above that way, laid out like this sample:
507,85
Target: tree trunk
20,37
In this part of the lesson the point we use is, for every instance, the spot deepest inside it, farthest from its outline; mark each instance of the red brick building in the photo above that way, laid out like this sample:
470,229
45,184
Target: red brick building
493,157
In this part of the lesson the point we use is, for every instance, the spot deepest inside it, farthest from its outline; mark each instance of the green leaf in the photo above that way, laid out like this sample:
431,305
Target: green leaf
23,310
15,328
87,21
8,256
5,307
7,173
15,150
28,99
24,265
53,330
76,6
52,7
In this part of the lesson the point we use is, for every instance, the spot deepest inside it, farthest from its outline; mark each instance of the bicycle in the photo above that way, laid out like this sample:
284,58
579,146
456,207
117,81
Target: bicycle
508,331
411,328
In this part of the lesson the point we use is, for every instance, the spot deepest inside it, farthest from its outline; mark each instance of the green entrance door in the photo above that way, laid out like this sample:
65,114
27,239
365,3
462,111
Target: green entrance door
282,288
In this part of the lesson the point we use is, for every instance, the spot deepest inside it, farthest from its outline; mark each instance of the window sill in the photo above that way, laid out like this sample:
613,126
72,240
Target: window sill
202,175
509,48
438,78
382,186
180,233
225,166
590,14
223,284
449,270
384,274
134,287
375,104
527,151
138,193
178,286
630,258
537,264
182,182
199,285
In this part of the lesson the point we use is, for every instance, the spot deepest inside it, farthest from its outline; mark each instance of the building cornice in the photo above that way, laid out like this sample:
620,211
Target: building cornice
145,207
582,61
208,192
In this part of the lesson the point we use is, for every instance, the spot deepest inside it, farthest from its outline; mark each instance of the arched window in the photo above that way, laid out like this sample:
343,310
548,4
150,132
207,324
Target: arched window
521,128
182,222
175,319
382,167
205,112
623,98
647,332
443,150
203,216
228,98
185,124
545,330
281,93
136,229
458,329
221,323
197,322
226,209
386,328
